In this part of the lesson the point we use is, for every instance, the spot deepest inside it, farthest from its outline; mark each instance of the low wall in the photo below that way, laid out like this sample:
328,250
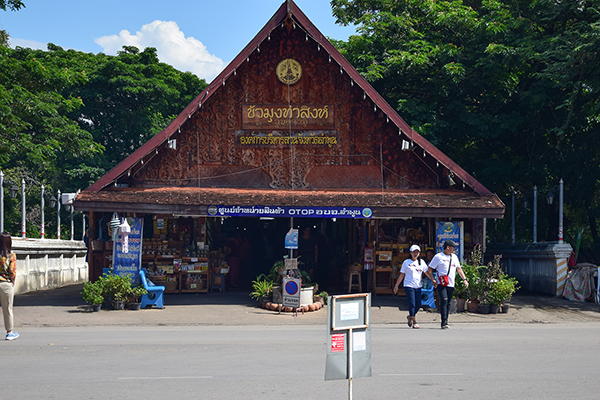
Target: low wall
49,263
539,268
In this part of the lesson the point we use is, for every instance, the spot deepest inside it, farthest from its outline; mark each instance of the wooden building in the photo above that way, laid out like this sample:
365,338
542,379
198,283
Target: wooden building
290,123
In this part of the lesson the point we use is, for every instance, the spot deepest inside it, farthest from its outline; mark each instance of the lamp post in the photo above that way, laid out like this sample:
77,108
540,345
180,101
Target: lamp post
550,199
512,216
560,212
72,226
58,215
42,212
23,210
535,214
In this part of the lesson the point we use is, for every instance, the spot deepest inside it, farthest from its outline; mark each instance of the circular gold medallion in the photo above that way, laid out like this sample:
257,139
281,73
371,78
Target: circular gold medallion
289,71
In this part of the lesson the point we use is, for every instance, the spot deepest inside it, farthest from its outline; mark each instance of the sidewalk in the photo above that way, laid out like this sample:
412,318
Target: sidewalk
64,307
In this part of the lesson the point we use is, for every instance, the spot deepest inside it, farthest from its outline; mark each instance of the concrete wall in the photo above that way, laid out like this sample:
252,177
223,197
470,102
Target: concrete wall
48,263
539,268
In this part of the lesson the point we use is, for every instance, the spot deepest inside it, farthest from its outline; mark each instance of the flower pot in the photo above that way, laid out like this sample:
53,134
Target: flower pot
483,308
453,306
472,306
134,306
505,308
460,305
96,307
494,309
119,305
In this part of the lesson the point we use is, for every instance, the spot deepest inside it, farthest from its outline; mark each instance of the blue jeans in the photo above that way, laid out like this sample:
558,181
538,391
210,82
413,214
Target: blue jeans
414,300
445,293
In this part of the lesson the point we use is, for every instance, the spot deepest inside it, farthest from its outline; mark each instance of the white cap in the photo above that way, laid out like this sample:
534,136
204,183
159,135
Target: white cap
414,247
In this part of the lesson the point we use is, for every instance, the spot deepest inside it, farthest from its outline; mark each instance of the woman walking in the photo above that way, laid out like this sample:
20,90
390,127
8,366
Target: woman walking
412,272
8,273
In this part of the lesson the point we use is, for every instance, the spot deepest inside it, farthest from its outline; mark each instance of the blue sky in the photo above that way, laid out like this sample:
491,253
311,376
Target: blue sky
200,36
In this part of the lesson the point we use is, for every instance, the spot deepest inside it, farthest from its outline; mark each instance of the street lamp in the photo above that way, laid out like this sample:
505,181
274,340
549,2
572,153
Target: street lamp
550,199
42,232
58,215
23,210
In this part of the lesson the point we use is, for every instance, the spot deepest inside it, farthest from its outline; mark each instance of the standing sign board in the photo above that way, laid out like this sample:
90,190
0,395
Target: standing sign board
349,337
127,259
453,231
291,292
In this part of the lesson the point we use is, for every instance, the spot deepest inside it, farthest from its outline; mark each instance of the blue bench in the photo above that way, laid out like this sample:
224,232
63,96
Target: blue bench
155,293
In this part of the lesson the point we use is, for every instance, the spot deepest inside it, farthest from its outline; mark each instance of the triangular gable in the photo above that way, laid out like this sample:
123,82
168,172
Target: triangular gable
289,8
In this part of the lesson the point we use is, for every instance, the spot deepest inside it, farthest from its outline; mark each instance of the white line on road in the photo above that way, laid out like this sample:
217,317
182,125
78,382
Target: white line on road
162,377
420,374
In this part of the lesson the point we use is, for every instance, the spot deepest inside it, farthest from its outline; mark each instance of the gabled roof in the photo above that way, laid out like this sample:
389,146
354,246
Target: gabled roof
289,9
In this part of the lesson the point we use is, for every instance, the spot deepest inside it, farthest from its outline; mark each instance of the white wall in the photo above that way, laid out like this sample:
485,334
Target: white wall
48,263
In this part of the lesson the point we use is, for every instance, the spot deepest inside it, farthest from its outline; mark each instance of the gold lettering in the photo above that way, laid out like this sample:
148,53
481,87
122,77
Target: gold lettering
304,112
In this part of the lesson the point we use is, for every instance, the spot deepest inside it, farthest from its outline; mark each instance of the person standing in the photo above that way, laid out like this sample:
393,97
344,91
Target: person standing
447,264
411,273
8,273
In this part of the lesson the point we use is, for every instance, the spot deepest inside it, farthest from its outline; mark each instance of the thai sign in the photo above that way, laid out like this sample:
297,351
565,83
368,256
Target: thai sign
289,211
274,138
127,254
453,231
274,116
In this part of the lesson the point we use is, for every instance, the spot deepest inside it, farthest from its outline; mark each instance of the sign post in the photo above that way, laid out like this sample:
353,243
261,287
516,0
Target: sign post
349,338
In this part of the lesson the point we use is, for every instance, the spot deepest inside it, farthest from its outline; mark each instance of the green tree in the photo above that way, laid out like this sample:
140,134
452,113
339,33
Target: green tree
505,88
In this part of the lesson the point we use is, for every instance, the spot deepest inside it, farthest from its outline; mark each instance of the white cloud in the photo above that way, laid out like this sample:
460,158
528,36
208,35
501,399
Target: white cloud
31,44
173,48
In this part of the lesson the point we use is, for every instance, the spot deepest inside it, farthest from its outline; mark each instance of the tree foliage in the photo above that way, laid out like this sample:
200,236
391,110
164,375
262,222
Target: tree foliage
508,89
67,117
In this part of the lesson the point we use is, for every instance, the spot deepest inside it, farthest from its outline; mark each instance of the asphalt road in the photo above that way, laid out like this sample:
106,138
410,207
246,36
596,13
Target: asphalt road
468,361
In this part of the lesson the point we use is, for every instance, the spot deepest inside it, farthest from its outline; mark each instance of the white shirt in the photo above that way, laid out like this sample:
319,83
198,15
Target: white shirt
442,263
413,271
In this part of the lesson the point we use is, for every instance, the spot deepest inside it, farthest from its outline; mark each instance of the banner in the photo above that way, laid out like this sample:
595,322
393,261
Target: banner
129,263
290,211
453,231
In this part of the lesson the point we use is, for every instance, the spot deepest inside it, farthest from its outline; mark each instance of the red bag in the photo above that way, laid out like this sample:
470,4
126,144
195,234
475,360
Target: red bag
443,280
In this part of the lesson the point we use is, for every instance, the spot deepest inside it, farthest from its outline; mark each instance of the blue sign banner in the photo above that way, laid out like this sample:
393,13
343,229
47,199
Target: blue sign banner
129,263
290,211
452,231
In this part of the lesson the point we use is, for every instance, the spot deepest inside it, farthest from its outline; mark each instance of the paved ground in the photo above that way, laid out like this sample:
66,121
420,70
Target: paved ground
65,307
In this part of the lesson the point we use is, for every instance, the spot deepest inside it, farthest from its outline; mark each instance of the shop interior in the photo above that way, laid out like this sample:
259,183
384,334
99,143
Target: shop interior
197,254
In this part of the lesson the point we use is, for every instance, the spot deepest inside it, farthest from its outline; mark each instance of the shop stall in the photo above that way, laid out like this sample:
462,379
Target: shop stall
289,129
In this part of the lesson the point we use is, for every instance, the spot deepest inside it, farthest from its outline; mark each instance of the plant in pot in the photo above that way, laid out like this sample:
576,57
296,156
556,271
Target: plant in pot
321,297
135,297
92,294
262,289
117,289
501,292
461,292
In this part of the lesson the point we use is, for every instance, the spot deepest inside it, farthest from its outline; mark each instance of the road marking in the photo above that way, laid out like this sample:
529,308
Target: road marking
131,378
428,374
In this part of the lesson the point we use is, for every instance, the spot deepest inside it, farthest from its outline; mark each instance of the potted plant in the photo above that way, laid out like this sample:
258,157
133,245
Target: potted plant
461,292
117,289
321,297
501,292
262,289
92,294
135,297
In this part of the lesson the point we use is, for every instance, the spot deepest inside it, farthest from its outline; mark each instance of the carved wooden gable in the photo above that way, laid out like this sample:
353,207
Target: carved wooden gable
288,117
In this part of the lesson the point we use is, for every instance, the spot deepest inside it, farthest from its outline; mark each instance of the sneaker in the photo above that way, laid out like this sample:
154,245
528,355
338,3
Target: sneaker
12,336
445,326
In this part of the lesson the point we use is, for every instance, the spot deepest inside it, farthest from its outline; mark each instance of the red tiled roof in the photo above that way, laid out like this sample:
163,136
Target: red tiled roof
389,203
304,23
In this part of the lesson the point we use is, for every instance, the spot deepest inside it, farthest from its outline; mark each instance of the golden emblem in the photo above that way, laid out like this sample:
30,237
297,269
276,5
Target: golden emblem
288,71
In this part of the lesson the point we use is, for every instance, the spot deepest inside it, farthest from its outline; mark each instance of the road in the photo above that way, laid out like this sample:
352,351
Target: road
468,361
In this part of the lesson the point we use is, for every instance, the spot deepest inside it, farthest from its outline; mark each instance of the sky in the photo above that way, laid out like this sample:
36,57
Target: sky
200,36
